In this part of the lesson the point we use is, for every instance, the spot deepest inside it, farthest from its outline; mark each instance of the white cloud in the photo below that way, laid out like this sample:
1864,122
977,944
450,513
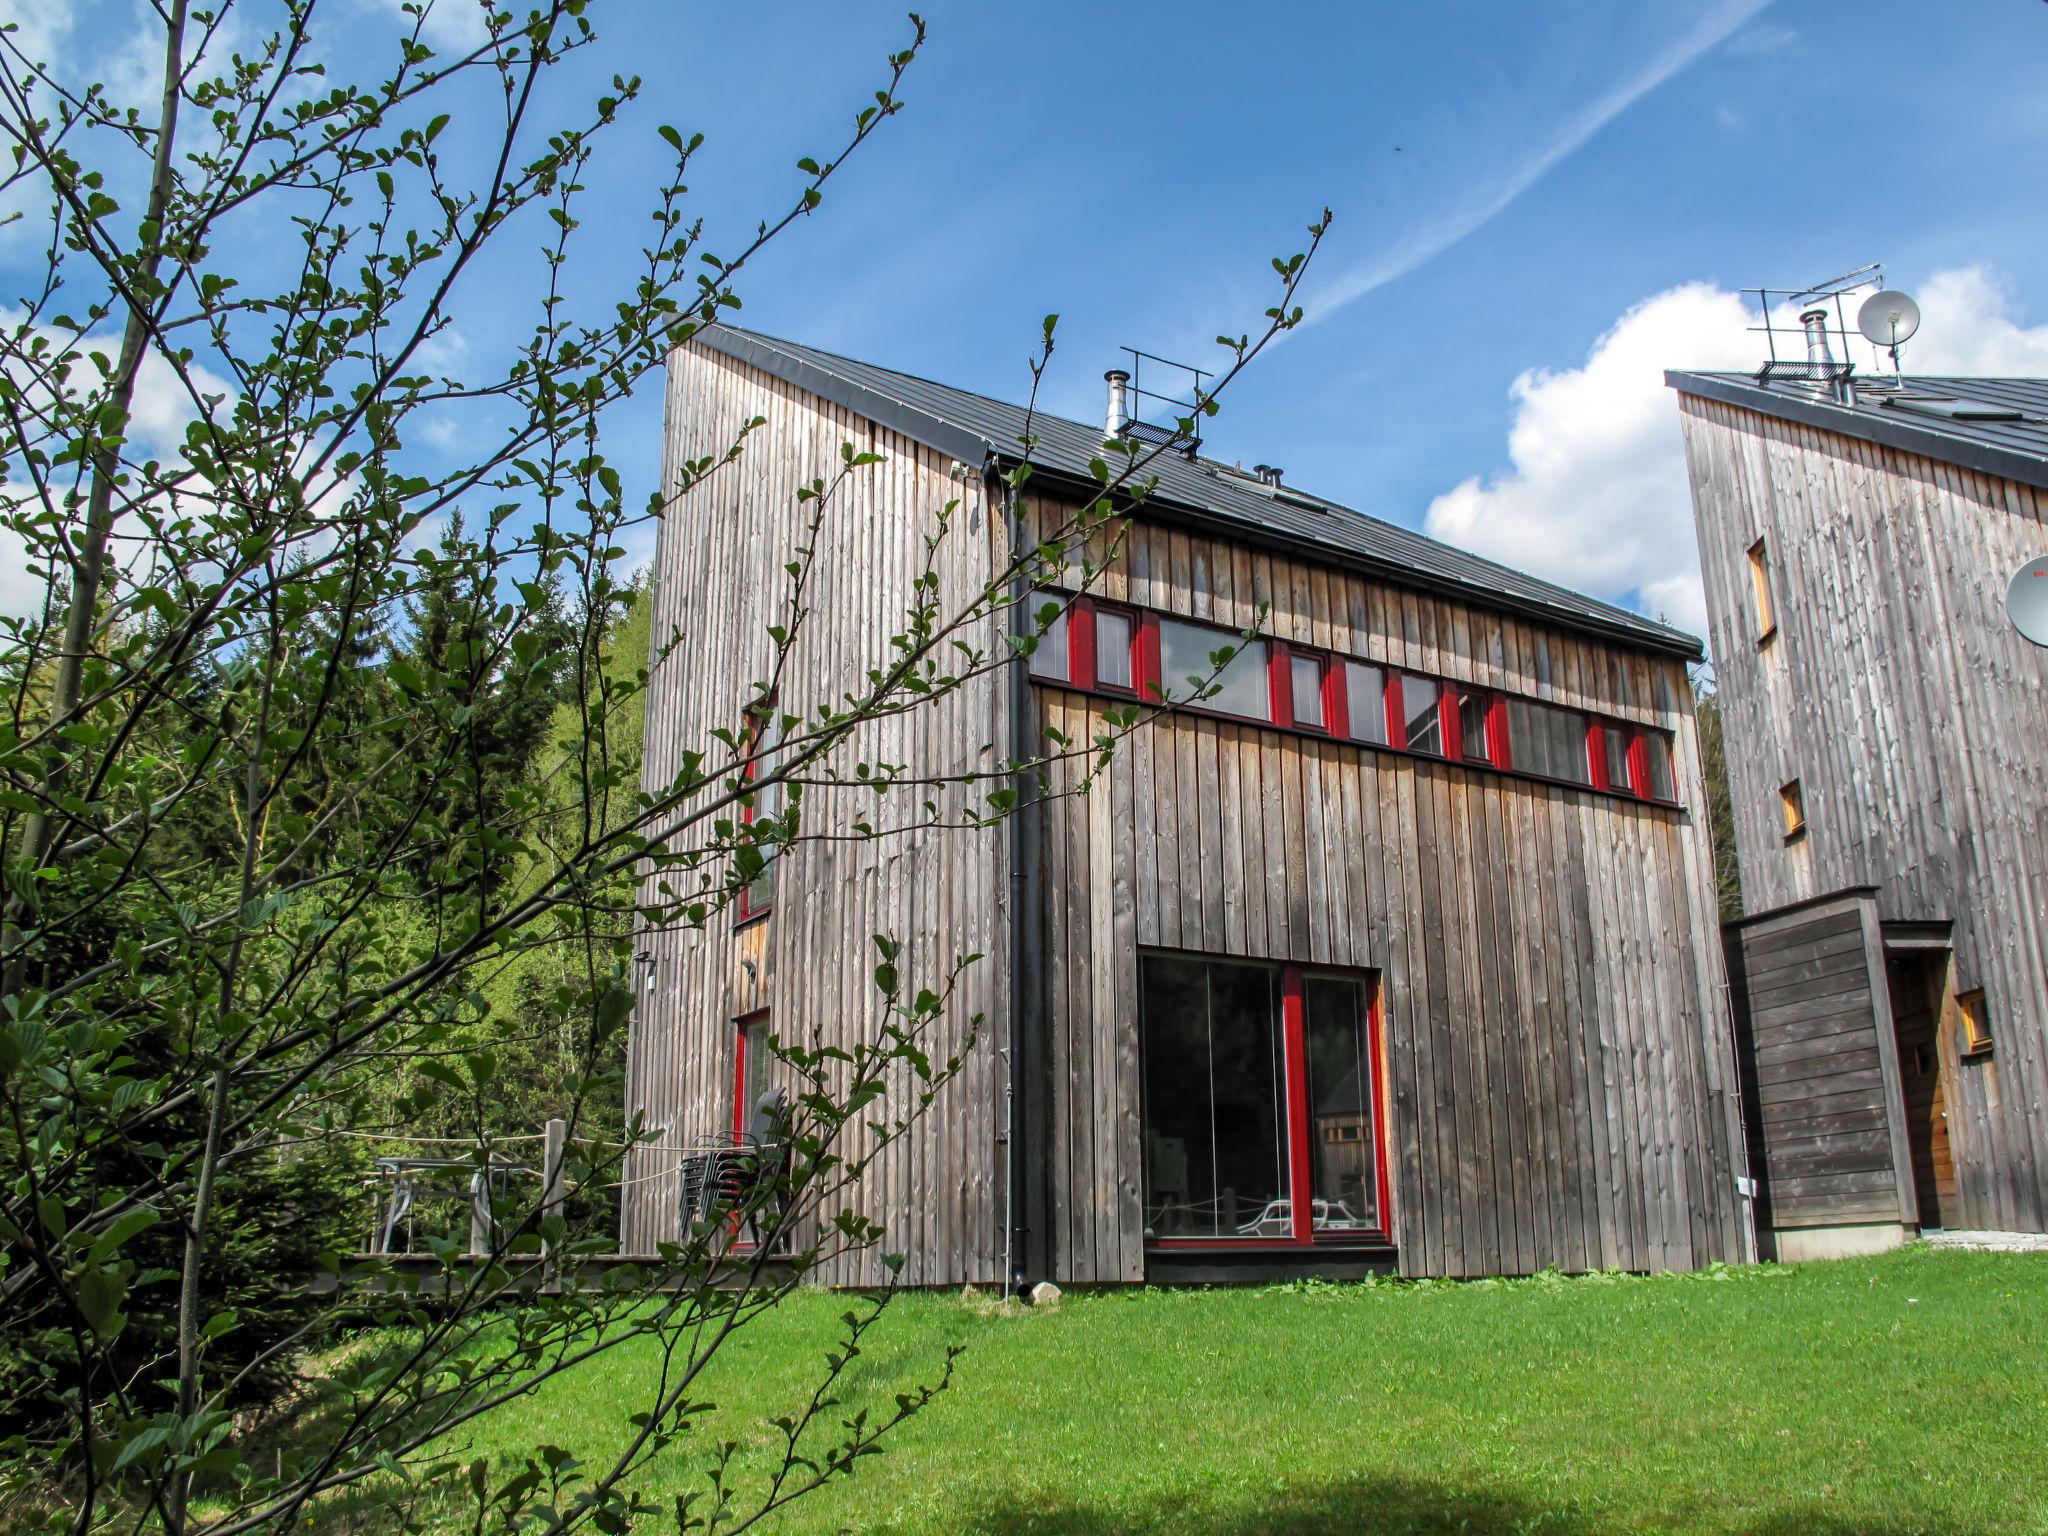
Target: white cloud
39,27
1965,328
1596,495
1763,39
1479,202
448,26
162,408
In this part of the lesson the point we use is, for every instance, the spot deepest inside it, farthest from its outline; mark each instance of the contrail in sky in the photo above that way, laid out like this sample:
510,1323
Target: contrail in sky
1481,203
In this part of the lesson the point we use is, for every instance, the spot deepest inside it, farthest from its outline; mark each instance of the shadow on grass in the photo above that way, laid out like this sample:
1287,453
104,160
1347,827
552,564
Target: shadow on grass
1394,1506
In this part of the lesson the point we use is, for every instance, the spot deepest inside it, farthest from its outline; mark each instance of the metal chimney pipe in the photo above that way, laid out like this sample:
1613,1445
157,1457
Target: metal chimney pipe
1816,323
1118,416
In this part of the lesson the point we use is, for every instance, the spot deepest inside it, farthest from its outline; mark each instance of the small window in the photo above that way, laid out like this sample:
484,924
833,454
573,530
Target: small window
1614,742
1114,632
1365,698
1794,804
1549,741
1474,710
1421,712
1050,660
1973,1031
1659,782
1305,686
1188,655
1760,584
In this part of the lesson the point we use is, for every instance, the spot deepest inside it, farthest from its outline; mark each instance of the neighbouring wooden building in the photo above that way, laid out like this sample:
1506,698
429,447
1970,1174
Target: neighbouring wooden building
1400,951
1887,736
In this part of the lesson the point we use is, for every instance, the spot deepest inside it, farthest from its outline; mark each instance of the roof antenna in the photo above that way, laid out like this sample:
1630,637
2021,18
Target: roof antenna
1819,371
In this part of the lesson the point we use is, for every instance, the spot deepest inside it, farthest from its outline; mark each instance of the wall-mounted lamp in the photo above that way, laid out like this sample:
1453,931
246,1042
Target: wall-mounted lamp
645,960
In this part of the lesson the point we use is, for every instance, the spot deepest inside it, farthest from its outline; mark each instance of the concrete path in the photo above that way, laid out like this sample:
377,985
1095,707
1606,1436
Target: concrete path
1991,1242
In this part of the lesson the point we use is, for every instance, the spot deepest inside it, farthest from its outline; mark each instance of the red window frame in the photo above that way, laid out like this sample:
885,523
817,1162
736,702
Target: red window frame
1451,726
1638,758
1300,1167
1084,669
1596,756
1083,674
740,1107
1397,713
1280,659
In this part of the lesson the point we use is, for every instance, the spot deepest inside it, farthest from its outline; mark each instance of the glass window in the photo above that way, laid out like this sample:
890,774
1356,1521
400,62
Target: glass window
768,802
1365,698
1547,740
751,1080
1760,586
1793,801
1305,677
1215,1118
1187,657
1421,698
1341,1137
1473,708
1663,784
1113,634
1614,741
1050,659
1973,1036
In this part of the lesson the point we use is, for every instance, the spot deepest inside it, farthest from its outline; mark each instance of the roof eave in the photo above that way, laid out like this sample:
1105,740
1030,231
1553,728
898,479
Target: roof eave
1907,436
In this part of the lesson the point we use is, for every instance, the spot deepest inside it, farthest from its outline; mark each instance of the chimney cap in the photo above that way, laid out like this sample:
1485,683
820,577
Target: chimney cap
1118,375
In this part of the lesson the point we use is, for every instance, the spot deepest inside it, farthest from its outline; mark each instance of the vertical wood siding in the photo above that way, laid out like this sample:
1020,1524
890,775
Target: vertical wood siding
718,584
1557,1042
1915,719
1814,1019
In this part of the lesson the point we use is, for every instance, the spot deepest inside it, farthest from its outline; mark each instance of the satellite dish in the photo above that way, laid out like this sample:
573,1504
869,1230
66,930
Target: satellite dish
1888,319
2026,600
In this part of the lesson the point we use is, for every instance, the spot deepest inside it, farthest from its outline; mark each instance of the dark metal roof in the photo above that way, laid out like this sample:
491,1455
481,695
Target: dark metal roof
2011,450
977,430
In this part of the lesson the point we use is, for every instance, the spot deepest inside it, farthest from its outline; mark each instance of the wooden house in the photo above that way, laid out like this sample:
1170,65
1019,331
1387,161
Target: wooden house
1398,952
1887,734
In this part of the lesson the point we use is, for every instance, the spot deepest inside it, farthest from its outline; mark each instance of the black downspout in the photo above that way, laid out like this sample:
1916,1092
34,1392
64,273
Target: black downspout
1030,1229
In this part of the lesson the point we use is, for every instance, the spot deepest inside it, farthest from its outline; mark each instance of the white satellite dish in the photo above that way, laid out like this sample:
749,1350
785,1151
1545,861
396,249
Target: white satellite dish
2026,600
1888,319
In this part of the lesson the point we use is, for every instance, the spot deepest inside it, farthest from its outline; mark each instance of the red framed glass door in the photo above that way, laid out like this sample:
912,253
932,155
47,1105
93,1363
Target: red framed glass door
1264,1104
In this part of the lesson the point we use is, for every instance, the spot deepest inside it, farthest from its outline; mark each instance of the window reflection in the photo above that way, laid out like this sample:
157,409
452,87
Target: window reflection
1186,658
1215,1128
1421,701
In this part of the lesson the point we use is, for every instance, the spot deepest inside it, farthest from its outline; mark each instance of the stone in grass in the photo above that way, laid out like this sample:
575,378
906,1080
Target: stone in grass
1043,1294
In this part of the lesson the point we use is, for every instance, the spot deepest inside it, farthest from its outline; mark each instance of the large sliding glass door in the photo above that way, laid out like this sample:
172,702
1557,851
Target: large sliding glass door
1261,1103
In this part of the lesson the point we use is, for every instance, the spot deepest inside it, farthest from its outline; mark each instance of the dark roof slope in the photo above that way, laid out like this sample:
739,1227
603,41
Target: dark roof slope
977,430
2011,450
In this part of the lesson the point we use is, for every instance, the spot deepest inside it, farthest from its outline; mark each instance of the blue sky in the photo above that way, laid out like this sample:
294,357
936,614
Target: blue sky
1516,188
1509,180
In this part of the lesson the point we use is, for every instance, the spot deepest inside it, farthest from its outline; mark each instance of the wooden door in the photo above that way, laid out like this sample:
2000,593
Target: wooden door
1917,984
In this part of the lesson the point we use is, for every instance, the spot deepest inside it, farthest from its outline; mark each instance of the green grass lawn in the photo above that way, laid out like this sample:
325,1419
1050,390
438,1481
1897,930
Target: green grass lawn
1907,1393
